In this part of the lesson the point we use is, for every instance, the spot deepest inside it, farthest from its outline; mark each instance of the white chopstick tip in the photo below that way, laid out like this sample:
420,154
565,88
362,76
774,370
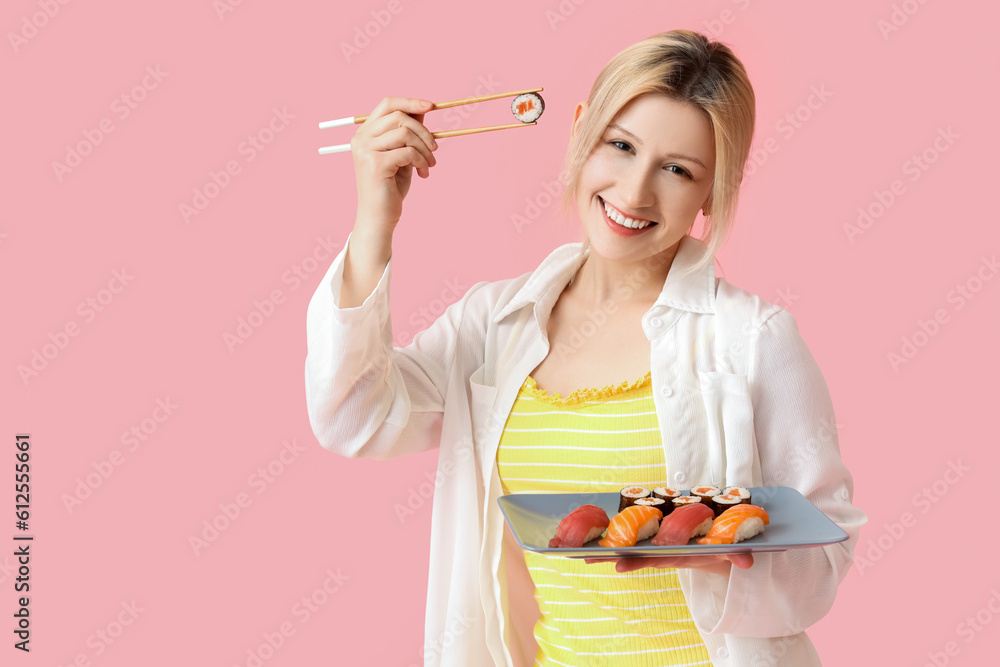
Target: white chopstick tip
341,148
337,123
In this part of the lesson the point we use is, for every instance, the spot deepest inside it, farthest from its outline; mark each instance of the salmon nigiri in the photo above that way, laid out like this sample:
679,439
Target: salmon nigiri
631,525
580,526
737,523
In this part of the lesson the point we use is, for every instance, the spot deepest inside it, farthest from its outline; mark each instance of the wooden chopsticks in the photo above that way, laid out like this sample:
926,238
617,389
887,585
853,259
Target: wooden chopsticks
352,120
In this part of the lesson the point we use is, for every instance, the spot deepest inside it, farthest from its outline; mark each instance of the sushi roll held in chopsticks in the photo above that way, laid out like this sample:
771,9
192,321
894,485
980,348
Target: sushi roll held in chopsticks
528,107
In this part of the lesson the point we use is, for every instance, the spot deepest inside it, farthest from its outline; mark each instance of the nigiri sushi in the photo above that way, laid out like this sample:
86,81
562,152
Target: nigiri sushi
580,526
631,525
737,523
685,522
527,107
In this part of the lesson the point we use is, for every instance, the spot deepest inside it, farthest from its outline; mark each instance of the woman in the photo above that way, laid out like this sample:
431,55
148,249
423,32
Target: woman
727,391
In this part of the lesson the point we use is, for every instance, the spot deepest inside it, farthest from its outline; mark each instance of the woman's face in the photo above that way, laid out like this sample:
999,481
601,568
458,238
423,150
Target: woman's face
655,162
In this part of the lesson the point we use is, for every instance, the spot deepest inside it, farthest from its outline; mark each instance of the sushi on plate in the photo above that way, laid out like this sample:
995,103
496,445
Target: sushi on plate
585,523
685,522
632,525
630,494
740,491
722,502
737,523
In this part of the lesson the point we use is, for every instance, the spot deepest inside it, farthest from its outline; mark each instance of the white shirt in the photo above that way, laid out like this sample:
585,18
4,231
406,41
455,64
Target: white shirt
739,398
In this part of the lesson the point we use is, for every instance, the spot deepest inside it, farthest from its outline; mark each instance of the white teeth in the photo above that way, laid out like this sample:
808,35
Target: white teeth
623,220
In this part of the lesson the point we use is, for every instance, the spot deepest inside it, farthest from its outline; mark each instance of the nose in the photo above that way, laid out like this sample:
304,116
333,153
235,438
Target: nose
634,188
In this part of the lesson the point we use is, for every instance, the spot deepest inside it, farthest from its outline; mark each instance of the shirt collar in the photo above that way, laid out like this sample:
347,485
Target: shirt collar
692,291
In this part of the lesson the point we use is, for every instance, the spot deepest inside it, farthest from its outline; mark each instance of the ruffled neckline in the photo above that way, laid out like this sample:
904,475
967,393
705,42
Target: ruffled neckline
587,394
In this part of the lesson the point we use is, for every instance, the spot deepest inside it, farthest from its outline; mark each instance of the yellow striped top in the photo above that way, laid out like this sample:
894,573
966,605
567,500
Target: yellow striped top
596,440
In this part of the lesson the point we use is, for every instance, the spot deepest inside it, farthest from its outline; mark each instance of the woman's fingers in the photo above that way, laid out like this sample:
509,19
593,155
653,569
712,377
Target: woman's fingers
408,105
403,136
406,156
386,148
742,561
714,563
398,119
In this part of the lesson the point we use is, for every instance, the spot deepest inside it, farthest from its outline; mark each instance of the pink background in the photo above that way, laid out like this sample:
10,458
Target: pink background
163,336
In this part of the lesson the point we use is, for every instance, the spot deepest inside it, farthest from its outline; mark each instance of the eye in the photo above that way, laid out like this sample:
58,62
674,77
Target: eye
618,144
681,171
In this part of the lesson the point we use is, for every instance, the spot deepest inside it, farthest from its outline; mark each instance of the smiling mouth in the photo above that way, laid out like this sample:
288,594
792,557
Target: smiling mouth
622,219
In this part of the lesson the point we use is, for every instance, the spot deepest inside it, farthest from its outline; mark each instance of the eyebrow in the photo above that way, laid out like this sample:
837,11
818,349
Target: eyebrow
679,156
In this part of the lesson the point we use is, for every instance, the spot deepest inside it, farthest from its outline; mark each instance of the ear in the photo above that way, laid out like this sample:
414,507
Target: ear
580,109
707,207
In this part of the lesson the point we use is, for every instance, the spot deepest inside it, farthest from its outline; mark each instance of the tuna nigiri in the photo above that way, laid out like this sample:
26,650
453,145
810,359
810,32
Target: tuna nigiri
737,523
631,525
580,526
683,523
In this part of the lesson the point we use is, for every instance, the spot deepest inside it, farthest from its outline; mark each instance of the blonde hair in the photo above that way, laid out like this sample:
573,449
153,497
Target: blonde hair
686,67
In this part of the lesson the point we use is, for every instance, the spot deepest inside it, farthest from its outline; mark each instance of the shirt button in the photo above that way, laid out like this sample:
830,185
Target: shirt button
680,477
723,652
666,390
656,321
844,494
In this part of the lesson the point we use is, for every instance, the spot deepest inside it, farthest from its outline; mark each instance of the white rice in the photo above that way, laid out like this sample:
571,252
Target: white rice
532,114
748,528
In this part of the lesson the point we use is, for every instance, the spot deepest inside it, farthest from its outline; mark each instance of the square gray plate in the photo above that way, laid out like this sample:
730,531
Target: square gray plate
795,523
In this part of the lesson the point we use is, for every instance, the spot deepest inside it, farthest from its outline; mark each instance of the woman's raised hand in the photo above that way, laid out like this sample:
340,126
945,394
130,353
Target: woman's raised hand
386,148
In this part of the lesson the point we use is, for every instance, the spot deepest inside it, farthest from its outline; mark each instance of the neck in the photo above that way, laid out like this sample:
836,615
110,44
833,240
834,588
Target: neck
636,283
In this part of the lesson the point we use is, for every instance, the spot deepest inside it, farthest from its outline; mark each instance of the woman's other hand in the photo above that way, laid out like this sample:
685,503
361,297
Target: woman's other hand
718,564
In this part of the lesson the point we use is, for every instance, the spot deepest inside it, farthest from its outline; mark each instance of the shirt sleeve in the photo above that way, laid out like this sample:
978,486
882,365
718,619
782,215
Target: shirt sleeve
365,397
784,593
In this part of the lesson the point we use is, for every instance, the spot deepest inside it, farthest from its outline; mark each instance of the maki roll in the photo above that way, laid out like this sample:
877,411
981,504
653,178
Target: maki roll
744,494
724,501
681,501
630,494
658,503
665,493
706,493
527,107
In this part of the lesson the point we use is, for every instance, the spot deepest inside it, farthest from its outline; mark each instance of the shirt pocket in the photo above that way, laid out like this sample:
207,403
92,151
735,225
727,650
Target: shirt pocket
482,399
732,444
